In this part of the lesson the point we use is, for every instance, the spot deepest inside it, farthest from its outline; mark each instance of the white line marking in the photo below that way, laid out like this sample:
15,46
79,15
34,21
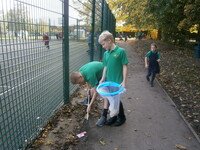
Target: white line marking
1,94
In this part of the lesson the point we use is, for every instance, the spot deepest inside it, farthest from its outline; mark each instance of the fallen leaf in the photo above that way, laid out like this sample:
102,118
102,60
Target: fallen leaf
102,141
49,143
181,147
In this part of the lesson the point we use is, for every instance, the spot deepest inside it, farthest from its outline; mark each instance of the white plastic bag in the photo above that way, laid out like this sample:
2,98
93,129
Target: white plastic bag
114,102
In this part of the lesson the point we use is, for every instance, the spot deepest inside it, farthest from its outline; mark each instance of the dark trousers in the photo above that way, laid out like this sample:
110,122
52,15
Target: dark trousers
121,111
152,74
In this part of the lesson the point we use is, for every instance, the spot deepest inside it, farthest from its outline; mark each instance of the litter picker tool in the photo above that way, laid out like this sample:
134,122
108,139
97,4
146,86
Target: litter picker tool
86,118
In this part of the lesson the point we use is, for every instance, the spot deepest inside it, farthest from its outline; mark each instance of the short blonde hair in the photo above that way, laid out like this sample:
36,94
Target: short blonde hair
74,77
105,35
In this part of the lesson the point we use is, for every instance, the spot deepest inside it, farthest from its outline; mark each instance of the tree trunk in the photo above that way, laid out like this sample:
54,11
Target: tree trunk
159,34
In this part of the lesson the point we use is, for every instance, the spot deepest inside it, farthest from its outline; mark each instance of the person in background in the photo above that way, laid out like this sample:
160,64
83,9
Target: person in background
152,59
46,40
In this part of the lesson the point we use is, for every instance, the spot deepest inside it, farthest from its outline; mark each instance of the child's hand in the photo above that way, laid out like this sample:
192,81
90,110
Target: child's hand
123,84
101,81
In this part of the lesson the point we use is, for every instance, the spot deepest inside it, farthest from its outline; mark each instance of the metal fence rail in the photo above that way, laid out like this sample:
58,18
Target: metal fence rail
32,69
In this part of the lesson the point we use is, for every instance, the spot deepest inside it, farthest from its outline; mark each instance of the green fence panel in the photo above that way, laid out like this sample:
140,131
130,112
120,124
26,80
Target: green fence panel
31,78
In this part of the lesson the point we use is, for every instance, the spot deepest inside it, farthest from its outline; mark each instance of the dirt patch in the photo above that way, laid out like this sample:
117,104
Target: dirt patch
61,131
180,77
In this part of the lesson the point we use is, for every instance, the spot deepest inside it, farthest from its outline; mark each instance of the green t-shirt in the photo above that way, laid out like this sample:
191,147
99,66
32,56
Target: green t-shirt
92,72
150,52
114,61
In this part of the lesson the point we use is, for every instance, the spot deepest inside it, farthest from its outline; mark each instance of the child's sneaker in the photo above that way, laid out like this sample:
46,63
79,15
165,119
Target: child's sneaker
111,121
101,122
120,121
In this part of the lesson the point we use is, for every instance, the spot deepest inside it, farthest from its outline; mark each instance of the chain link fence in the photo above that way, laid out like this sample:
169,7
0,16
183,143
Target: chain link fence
38,51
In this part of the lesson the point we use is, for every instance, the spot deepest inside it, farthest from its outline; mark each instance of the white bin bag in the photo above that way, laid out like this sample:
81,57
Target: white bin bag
111,91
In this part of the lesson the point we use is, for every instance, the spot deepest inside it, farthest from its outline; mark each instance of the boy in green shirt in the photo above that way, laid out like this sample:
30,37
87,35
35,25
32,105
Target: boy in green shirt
115,69
91,74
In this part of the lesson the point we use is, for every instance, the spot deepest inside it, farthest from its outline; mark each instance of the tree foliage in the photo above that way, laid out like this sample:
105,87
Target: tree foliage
84,9
192,13
16,19
168,14
133,12
172,18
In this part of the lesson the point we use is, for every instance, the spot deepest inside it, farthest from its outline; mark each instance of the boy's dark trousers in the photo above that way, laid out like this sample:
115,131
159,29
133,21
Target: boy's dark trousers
119,119
120,114
121,111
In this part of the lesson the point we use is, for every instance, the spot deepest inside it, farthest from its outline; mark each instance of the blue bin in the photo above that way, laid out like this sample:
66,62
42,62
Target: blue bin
197,51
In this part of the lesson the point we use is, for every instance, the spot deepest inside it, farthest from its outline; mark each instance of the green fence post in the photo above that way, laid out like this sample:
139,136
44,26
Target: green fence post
66,52
110,21
102,27
114,27
92,31
112,24
109,18
105,17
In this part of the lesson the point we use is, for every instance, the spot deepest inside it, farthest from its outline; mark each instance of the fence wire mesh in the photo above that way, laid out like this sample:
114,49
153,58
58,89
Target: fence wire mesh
31,72
31,60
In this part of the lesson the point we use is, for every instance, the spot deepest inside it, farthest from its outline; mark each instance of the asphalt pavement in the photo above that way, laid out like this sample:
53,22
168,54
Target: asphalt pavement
153,122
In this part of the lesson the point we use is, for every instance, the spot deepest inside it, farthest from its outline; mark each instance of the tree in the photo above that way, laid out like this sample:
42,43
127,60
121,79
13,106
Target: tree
133,12
168,14
16,19
84,8
172,18
191,20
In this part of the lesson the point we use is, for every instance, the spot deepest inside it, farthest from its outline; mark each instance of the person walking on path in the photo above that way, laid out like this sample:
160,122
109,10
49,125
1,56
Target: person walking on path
152,59
46,40
115,64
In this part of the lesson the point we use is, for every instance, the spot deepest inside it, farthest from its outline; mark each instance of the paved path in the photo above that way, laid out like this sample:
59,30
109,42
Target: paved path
153,122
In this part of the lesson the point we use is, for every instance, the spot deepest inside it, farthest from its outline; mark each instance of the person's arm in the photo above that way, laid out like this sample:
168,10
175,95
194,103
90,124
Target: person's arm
103,75
125,71
158,60
146,62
